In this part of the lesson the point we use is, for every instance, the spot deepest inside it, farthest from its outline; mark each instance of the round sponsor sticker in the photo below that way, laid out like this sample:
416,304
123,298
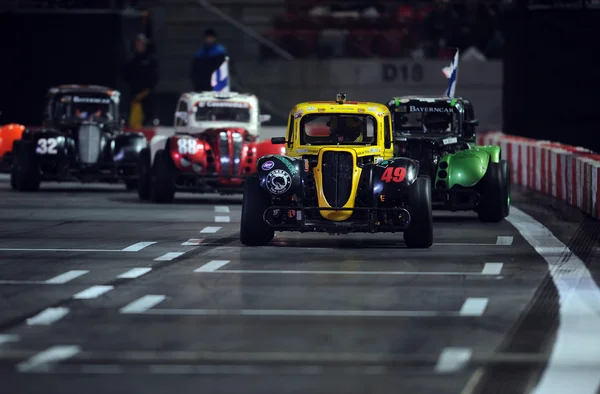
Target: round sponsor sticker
267,165
279,181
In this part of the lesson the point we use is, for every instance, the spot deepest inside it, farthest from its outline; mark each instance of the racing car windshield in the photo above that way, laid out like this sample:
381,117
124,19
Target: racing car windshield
426,119
338,129
222,111
85,107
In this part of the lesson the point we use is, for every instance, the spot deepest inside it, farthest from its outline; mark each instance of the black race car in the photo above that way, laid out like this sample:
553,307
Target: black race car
81,140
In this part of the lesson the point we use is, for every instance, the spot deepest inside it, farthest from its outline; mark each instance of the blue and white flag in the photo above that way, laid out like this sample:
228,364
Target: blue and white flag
220,78
451,73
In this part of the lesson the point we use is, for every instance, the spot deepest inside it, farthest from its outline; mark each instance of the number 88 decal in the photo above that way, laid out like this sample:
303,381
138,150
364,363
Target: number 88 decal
395,175
187,146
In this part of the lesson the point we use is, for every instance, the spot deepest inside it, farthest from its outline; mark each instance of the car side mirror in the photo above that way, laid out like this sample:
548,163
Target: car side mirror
264,118
278,140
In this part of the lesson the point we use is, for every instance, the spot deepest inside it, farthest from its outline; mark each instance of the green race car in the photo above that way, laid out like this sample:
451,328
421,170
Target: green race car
439,132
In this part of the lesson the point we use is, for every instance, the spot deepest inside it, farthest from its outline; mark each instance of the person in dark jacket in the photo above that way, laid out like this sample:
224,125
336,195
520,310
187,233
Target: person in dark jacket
142,75
206,61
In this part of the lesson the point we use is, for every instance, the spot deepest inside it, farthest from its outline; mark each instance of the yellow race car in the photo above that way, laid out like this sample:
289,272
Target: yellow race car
339,176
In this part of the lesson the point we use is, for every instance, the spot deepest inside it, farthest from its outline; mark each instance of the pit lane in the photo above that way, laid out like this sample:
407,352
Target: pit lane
111,292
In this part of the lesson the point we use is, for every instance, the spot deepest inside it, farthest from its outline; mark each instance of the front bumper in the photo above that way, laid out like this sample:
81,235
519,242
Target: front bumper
296,220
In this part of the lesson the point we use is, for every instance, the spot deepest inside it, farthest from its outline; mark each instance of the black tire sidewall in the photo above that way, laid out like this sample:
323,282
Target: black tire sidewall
253,229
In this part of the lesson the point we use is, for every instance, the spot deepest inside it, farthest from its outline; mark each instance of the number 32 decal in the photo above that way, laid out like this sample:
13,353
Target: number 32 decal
47,146
395,175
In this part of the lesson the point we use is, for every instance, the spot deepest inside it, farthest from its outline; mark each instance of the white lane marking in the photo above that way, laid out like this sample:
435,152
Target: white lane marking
473,307
6,338
577,339
41,360
57,250
135,273
143,304
193,242
169,256
221,209
48,316
92,292
66,277
210,229
297,312
452,359
222,219
138,246
504,241
212,266
492,269
286,272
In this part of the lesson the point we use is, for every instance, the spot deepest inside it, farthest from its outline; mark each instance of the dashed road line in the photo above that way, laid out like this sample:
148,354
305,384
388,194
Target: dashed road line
48,316
474,307
93,292
193,242
169,256
210,229
57,250
492,269
452,359
222,219
135,273
41,361
143,304
137,247
221,209
212,266
6,338
504,241
487,270
66,277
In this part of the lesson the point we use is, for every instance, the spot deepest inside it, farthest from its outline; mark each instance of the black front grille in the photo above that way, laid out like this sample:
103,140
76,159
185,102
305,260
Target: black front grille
224,152
237,152
337,170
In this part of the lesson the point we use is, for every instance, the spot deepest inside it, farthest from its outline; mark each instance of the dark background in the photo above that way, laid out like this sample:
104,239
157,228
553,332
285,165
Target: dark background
551,67
552,76
42,50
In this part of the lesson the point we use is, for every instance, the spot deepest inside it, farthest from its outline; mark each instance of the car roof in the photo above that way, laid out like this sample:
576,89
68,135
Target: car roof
333,106
218,96
82,89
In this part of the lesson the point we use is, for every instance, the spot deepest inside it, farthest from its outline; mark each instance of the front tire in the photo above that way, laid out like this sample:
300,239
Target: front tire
25,171
162,185
253,229
495,197
145,176
420,229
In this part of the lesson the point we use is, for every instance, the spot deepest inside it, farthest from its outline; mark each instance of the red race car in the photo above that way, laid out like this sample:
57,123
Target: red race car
214,148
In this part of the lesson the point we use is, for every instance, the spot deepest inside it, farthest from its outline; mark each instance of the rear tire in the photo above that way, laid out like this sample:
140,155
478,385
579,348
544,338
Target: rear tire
420,229
25,171
494,204
505,168
162,184
145,176
253,229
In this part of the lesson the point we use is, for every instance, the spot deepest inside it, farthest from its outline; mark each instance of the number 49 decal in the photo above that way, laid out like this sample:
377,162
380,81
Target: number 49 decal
395,175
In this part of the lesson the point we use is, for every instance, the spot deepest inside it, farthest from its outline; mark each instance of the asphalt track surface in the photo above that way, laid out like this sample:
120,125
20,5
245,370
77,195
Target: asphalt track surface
101,293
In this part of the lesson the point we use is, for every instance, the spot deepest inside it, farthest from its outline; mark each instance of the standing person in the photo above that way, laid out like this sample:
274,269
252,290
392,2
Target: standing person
142,75
206,61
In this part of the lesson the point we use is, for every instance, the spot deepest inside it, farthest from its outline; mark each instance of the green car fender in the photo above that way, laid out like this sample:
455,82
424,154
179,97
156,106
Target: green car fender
466,168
